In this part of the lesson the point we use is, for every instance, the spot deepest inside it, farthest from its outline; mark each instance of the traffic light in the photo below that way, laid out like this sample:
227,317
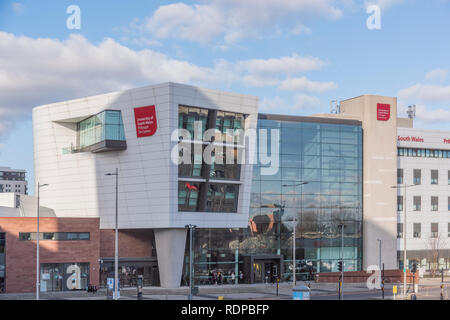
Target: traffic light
414,268
340,266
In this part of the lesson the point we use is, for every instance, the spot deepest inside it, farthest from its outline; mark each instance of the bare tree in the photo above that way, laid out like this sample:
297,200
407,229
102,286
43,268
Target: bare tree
435,245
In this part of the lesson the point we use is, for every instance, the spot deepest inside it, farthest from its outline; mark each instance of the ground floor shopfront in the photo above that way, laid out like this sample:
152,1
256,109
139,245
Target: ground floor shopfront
73,254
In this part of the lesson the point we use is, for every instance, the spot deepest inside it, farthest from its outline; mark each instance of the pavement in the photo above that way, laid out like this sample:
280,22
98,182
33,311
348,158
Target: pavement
428,289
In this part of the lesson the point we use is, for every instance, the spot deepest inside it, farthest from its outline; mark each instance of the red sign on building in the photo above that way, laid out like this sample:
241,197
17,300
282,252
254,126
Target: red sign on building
383,112
145,118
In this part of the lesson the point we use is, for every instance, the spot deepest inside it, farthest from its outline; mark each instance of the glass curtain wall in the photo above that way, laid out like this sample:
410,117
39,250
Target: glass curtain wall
329,158
201,195
106,125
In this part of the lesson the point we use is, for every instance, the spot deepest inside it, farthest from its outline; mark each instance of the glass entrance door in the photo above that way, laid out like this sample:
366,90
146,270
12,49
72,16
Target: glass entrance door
258,272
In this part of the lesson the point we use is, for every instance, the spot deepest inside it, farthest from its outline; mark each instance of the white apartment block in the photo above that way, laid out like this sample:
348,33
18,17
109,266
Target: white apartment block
424,167
13,180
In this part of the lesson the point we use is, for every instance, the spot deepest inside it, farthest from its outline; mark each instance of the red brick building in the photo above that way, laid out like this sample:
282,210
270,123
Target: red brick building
65,243
74,253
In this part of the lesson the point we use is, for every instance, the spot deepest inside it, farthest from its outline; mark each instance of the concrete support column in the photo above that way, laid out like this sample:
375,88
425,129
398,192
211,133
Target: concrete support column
170,249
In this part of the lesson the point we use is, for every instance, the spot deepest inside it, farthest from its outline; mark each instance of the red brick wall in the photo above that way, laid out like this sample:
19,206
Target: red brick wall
391,276
21,255
132,243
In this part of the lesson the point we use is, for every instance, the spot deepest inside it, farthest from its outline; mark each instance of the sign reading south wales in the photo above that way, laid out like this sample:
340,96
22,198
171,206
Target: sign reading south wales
383,112
145,118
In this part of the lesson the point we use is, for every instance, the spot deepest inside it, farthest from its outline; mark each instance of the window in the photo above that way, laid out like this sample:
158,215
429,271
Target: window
416,230
448,177
448,229
399,230
417,177
399,203
399,176
417,203
434,230
425,153
189,117
229,121
106,125
56,276
188,193
222,198
434,203
54,236
448,203
434,176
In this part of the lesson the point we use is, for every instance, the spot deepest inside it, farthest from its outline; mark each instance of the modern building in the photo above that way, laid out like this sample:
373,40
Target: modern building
13,180
78,142
187,155
424,167
317,184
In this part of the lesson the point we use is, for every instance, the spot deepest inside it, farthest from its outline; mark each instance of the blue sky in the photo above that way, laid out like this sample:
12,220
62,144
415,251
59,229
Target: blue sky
295,55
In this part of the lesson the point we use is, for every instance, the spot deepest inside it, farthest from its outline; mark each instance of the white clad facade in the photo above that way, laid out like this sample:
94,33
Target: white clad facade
148,179
426,194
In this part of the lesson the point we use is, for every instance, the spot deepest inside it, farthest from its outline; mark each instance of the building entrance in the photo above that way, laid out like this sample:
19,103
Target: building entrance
262,269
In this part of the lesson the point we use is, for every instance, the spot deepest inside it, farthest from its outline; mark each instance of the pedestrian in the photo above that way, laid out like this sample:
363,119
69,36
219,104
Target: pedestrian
241,277
210,277
219,278
233,277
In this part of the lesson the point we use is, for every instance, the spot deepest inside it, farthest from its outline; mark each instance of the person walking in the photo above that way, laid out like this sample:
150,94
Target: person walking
233,277
241,277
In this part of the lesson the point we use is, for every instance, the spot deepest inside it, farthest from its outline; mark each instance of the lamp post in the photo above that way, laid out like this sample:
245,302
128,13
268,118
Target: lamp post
342,225
294,223
116,240
404,233
191,228
379,255
38,282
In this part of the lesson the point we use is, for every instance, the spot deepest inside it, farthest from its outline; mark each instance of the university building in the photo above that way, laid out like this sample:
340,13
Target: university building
266,175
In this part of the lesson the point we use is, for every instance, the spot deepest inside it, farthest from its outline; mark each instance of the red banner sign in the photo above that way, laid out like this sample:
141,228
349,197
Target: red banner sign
145,118
447,141
383,112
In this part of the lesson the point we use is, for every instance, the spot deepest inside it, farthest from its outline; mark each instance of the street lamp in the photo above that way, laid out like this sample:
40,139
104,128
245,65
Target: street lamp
341,293
404,232
191,228
379,256
116,241
38,282
294,223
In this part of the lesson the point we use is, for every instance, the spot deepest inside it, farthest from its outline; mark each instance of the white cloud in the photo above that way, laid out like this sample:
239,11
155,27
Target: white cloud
39,71
285,65
304,84
302,104
306,102
426,93
232,20
432,116
437,75
17,7
300,29
383,4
